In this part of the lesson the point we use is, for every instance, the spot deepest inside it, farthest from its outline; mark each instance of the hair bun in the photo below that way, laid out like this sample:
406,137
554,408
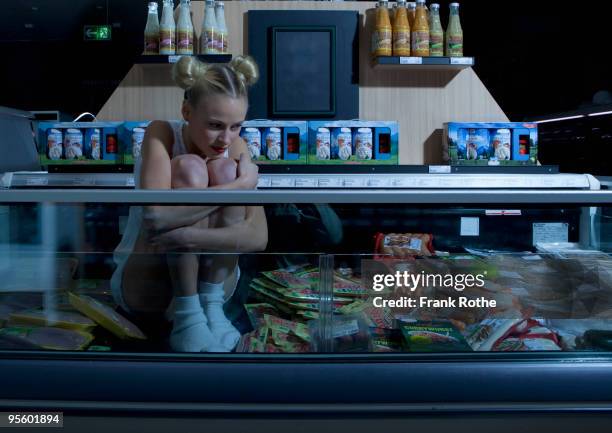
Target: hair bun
246,69
187,71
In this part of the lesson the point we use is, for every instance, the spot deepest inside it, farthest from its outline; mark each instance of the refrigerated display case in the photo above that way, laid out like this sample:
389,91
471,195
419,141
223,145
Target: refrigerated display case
318,339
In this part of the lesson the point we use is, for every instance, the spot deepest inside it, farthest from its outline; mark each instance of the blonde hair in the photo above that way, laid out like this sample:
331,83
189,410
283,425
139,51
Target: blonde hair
202,79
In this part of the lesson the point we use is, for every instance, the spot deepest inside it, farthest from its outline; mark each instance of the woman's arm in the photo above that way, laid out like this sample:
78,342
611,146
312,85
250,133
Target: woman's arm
250,235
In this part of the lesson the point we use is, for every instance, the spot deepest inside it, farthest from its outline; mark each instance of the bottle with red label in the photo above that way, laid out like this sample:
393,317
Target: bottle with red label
208,39
167,32
184,39
151,33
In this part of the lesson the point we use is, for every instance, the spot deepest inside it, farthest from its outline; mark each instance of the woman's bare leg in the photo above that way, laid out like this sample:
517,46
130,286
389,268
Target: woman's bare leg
190,331
216,269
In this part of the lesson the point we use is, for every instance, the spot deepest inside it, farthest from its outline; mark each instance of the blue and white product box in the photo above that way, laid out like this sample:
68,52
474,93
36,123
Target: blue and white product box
484,143
78,143
276,141
131,135
353,142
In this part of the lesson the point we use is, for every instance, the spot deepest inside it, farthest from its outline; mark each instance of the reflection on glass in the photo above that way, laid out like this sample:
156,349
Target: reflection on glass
404,296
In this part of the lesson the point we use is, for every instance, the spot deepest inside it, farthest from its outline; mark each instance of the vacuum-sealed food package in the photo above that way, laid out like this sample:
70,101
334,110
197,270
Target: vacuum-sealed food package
106,317
48,337
56,319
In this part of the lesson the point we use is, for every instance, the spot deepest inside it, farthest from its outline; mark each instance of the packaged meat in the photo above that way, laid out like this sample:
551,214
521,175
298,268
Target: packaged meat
106,317
49,338
404,244
57,319
433,337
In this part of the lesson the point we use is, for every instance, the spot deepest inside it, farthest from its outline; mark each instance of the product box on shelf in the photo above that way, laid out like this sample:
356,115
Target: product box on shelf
483,143
276,141
131,135
78,143
353,142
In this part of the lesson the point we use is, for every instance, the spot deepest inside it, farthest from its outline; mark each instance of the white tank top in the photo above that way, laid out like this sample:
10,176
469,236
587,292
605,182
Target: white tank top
134,221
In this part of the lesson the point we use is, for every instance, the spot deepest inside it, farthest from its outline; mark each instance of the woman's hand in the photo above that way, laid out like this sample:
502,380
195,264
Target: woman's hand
247,172
178,239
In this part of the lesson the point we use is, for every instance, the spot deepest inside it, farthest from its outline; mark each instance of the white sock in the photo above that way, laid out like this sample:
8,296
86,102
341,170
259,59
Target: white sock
211,298
190,332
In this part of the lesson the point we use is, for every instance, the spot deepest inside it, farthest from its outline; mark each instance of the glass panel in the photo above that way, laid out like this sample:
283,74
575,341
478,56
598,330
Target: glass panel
84,277
311,289
462,280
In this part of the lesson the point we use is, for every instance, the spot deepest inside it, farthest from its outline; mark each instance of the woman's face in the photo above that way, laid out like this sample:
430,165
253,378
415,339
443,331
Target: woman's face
214,124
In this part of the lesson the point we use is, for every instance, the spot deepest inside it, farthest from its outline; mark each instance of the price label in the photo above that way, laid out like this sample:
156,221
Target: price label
326,182
283,182
37,181
173,59
461,61
411,60
130,181
444,169
305,183
264,182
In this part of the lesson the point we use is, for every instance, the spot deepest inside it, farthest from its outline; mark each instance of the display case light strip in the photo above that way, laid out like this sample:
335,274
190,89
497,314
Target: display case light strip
559,118
600,113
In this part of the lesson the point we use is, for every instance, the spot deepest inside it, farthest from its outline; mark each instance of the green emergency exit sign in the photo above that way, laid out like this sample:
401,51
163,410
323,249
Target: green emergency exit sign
97,33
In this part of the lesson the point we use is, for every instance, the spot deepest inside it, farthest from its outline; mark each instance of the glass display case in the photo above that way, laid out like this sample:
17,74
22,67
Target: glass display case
358,297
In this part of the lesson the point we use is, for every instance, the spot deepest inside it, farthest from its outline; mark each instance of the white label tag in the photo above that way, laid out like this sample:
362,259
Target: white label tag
415,244
470,226
550,232
264,182
411,60
37,181
305,183
283,182
509,274
440,169
346,328
461,61
173,59
130,181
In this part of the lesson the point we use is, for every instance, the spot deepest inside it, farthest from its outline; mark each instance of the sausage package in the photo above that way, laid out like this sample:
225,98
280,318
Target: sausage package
404,244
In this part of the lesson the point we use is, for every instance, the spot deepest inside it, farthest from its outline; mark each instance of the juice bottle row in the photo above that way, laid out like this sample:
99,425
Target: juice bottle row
415,30
169,37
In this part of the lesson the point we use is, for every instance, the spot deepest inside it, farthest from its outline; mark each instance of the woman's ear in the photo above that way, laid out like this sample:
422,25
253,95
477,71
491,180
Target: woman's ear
186,111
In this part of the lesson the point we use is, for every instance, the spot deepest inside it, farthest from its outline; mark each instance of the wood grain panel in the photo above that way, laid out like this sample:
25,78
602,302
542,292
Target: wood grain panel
421,101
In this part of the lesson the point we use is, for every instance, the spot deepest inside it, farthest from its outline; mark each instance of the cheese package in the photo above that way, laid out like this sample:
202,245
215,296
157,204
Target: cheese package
106,317
57,319
48,338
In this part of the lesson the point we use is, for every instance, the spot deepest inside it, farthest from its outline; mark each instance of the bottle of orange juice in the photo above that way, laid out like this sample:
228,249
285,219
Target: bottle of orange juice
436,34
411,13
401,30
382,36
420,31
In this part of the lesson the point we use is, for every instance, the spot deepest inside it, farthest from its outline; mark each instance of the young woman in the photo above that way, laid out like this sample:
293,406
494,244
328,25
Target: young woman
204,150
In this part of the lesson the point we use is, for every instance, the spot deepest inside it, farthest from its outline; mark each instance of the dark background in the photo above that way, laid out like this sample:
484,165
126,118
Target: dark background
536,58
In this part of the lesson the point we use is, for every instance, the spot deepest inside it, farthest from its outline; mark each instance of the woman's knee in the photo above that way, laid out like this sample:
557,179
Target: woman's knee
188,171
221,171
